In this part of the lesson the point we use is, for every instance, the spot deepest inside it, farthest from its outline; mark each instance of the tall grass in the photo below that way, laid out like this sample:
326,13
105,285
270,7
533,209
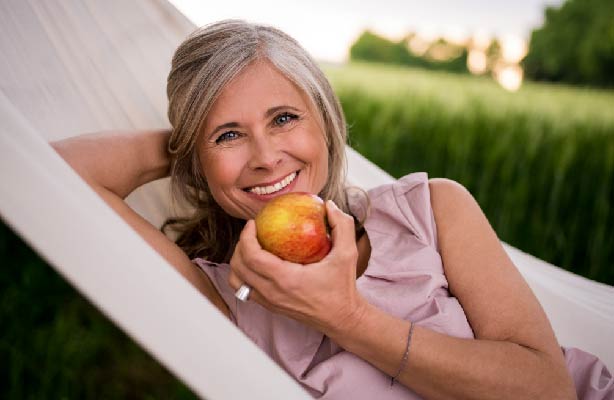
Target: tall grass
540,161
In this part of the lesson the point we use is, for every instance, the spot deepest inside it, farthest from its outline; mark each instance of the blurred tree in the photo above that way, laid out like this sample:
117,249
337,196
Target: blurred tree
445,56
494,53
371,47
575,44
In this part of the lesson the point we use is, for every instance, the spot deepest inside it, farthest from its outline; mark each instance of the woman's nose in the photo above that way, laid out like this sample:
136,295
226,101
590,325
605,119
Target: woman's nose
265,153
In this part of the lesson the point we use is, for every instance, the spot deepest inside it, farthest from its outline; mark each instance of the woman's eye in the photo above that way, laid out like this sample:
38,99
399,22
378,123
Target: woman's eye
226,136
284,118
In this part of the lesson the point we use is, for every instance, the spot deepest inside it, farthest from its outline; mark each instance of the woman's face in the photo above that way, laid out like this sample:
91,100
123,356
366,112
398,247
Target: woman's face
261,139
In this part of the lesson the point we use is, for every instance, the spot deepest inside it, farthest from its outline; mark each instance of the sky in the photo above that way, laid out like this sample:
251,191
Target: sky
326,28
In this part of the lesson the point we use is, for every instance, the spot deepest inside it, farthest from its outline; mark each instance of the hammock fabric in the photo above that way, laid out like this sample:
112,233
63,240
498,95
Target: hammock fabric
71,67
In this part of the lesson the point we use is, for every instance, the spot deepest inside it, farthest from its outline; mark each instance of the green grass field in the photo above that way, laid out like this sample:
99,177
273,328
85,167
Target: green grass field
459,92
539,161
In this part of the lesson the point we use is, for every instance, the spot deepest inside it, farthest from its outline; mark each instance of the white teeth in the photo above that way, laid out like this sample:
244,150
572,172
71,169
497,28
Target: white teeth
274,188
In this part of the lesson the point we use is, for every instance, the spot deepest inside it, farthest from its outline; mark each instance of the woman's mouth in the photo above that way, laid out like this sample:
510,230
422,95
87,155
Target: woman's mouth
282,185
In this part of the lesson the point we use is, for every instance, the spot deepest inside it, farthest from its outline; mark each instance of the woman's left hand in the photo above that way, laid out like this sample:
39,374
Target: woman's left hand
322,295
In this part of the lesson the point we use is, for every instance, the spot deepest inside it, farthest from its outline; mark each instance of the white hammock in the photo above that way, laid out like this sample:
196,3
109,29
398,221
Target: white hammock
70,67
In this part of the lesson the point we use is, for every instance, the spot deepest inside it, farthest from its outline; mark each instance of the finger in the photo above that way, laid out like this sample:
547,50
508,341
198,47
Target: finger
342,227
254,295
248,248
248,234
234,281
264,263
241,272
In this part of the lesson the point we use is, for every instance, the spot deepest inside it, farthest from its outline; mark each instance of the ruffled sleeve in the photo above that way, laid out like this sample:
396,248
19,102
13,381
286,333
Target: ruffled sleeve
405,275
406,202
592,379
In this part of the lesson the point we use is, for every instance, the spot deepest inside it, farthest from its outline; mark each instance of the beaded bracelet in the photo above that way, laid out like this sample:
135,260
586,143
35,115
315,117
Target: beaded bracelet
405,356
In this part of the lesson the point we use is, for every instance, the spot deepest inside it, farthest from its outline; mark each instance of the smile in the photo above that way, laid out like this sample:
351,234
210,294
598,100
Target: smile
274,188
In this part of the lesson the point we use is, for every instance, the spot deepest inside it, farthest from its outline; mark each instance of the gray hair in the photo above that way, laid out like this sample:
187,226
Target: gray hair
201,67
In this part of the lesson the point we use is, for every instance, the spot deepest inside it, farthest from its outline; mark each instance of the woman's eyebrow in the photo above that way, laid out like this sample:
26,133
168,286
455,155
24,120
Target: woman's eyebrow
267,114
273,110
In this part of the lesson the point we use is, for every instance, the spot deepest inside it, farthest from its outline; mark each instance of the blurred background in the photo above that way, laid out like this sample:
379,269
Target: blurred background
512,99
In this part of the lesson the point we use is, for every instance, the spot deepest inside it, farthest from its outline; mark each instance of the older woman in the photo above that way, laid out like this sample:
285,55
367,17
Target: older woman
417,288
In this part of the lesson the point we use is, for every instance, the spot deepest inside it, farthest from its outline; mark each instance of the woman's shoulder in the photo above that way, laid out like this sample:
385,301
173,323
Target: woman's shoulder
411,181
401,205
453,205
426,195
447,189
413,201
420,184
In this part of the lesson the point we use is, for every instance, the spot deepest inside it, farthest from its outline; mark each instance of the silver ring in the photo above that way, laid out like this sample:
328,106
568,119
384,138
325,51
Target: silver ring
243,292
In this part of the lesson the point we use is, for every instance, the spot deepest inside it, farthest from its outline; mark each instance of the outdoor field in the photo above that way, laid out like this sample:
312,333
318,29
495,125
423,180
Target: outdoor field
539,161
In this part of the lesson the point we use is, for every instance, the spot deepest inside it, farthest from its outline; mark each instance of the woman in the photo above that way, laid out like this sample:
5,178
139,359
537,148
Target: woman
422,295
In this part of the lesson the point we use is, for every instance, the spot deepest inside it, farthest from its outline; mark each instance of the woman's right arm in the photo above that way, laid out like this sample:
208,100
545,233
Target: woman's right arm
116,163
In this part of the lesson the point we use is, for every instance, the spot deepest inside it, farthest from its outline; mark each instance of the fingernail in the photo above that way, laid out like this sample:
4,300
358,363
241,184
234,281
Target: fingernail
332,204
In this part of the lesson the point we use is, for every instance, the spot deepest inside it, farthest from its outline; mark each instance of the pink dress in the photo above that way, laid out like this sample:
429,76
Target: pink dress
405,278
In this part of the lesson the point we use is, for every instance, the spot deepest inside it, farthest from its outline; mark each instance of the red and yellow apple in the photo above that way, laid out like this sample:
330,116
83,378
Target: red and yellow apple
293,226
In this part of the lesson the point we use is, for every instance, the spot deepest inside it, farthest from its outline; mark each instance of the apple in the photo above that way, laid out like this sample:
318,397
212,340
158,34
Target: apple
293,226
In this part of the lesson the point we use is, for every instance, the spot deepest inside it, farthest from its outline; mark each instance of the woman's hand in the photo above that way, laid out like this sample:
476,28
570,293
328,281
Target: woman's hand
322,295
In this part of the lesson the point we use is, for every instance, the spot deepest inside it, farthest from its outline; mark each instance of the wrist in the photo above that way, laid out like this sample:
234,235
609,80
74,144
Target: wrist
341,329
156,160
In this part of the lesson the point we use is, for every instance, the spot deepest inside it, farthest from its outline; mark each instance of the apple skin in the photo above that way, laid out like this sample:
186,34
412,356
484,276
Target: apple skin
293,226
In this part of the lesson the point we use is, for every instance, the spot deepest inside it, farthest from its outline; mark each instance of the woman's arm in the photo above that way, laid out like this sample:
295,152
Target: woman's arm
515,356
119,162
116,163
